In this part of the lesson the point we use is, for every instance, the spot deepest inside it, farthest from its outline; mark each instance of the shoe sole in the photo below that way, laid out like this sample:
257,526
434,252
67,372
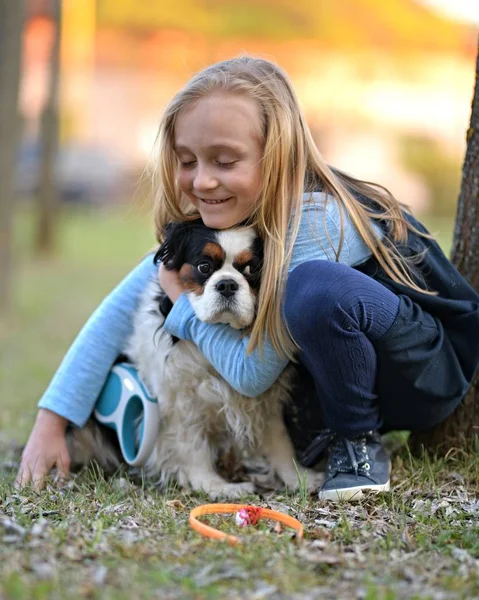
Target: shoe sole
352,493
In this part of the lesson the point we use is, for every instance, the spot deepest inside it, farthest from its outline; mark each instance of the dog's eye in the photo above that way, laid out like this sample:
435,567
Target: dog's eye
204,268
251,269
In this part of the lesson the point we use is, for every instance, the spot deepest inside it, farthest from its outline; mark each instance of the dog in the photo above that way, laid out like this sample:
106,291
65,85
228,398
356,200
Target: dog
210,435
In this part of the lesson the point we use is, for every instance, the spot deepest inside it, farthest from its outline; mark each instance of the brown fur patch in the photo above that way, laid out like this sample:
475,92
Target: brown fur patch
188,280
94,443
215,251
243,258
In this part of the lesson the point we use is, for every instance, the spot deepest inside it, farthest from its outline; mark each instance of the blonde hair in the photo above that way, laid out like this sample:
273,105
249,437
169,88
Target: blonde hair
291,165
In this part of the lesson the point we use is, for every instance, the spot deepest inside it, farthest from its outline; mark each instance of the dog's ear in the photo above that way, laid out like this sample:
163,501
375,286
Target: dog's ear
172,251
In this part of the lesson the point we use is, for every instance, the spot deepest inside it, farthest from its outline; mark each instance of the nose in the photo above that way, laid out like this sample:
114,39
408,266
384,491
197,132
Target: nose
203,179
227,287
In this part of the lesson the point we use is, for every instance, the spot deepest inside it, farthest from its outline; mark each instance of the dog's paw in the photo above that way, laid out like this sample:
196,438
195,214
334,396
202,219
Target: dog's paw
294,480
229,490
314,479
266,482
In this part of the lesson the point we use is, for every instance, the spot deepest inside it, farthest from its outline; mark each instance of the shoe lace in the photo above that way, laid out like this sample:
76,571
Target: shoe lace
346,456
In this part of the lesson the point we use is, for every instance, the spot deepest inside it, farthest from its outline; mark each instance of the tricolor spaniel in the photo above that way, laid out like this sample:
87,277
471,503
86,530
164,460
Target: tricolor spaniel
208,432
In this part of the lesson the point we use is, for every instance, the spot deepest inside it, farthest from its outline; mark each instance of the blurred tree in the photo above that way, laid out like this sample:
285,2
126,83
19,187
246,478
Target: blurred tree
47,196
396,24
437,167
461,429
11,24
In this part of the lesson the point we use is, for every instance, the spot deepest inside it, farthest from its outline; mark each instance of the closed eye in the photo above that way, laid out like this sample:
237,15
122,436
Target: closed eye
188,164
226,165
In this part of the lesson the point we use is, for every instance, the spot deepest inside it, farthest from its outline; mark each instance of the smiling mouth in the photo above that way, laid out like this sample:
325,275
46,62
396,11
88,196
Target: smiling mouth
215,201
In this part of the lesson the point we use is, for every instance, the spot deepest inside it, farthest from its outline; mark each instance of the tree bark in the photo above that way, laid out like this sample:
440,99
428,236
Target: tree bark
461,429
48,201
11,25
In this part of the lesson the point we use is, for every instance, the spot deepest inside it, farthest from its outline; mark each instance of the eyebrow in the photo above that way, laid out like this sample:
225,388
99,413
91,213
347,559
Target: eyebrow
228,147
243,258
214,251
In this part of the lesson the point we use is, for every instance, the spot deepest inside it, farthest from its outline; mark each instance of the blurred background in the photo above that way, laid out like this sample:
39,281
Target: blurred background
386,87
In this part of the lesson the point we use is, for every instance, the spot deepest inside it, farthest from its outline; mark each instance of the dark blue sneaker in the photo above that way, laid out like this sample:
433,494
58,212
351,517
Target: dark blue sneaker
353,466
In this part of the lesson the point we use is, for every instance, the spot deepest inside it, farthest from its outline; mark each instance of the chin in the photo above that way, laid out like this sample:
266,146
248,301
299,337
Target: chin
211,438
219,222
225,217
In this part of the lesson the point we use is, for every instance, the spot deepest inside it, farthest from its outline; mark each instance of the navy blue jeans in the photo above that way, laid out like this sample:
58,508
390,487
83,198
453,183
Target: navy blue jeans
366,352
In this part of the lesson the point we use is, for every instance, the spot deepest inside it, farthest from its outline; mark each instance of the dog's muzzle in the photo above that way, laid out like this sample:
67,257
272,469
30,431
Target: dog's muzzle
227,287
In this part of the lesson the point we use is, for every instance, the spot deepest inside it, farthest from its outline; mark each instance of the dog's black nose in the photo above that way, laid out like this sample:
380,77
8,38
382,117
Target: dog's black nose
227,287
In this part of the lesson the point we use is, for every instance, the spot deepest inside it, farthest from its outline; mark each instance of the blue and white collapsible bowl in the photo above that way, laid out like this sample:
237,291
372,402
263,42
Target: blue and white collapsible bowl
123,403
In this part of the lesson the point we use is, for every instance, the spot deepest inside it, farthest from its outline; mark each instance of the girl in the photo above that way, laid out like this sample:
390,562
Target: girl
352,286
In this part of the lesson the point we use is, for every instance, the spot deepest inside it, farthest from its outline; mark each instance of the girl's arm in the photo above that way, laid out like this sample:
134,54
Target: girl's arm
76,385
225,348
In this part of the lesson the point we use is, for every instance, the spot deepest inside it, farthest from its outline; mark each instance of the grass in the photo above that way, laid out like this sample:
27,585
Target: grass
53,298
112,539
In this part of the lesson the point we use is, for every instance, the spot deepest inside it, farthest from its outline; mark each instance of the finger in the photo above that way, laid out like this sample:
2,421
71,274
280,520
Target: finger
38,481
23,477
33,473
40,471
29,473
63,466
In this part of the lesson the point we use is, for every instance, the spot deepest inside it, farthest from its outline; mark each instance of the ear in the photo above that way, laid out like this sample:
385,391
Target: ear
172,251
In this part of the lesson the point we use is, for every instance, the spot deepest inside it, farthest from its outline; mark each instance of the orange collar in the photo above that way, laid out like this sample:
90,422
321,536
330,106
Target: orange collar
254,513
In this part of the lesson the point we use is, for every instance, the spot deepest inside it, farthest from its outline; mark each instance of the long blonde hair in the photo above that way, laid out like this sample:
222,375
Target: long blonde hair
291,165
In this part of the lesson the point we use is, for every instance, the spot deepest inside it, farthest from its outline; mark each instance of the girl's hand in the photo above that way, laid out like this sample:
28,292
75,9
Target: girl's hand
170,283
46,448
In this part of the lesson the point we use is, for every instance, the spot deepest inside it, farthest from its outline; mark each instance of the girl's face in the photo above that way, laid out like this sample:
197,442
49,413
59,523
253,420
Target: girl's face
218,143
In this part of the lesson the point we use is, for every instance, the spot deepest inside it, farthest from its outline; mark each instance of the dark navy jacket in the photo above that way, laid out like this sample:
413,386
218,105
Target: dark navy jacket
455,307
428,376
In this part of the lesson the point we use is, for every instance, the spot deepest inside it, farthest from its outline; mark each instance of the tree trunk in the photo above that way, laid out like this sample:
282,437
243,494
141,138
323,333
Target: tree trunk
11,25
462,427
48,201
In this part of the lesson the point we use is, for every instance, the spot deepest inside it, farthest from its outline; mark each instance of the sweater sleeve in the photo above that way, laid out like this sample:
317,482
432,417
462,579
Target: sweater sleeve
78,381
319,234
225,348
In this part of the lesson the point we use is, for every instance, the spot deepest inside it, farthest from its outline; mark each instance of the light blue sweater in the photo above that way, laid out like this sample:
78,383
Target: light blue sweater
78,381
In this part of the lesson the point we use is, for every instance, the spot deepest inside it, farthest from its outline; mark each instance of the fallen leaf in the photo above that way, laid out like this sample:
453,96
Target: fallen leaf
99,575
43,570
320,533
317,557
176,504
13,531
408,539
212,573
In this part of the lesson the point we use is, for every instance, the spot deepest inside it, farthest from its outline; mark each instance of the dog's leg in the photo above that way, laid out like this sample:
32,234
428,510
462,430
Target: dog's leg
94,443
200,473
279,452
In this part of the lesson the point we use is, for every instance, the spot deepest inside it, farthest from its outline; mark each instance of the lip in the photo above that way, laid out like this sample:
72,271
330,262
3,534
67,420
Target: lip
213,201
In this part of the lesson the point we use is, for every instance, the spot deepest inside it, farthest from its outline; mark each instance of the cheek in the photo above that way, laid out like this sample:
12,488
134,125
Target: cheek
247,184
184,181
257,182
252,184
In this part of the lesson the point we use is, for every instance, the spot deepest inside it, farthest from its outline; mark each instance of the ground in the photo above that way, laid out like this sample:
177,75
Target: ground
97,538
